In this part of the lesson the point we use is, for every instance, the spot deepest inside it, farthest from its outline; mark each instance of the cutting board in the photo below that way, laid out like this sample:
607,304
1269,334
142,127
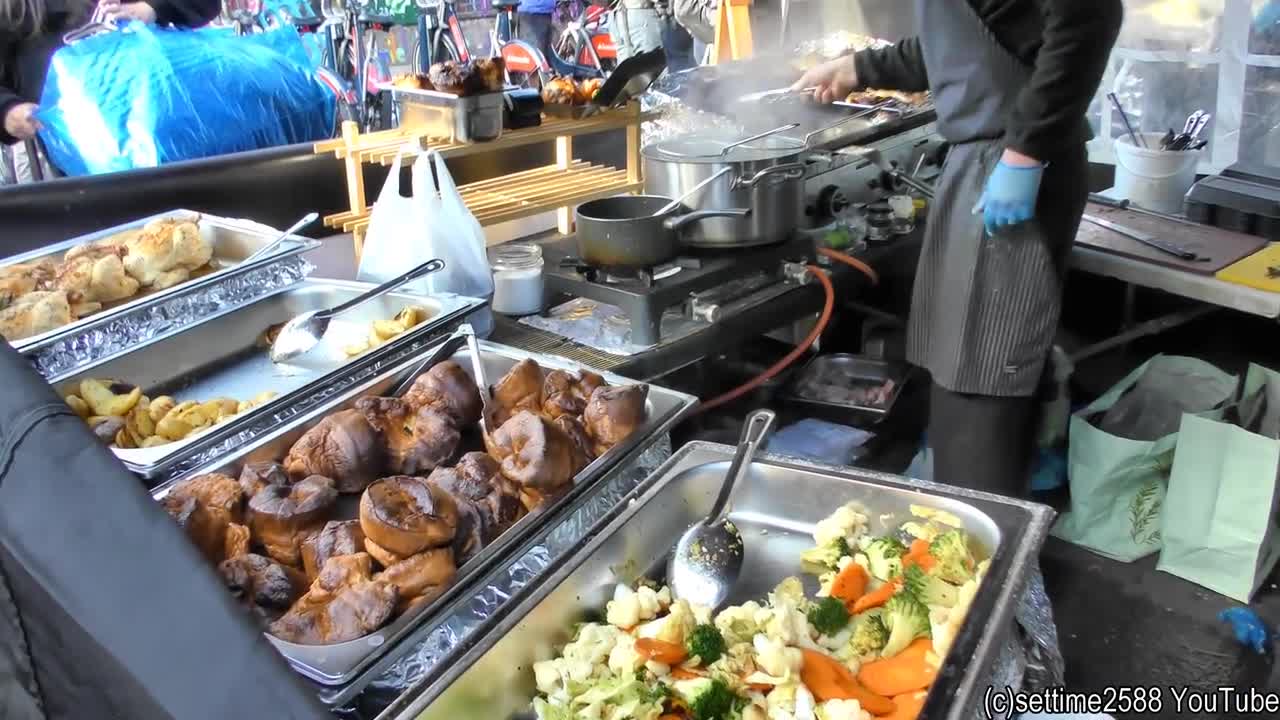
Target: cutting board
1222,247
1252,271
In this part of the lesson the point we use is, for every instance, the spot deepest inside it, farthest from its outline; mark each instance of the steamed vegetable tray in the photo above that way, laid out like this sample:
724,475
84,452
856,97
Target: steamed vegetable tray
867,645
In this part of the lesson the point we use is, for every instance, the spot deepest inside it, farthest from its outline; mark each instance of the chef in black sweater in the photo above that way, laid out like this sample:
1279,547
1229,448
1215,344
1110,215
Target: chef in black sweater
31,31
1011,81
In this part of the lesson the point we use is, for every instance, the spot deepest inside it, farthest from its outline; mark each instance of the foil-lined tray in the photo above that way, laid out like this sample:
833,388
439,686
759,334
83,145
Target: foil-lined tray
423,680
230,283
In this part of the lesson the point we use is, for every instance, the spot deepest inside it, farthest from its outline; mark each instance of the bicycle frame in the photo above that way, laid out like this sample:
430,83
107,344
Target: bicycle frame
434,20
522,57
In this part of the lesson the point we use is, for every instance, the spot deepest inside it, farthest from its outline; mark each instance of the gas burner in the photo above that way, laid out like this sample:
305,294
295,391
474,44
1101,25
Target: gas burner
646,293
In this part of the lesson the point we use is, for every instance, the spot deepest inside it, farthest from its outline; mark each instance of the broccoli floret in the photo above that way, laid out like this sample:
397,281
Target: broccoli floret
930,589
955,559
706,642
828,616
655,693
827,556
716,702
869,634
907,619
884,557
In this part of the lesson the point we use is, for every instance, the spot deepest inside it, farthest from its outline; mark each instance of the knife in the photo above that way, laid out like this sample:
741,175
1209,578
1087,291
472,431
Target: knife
1162,245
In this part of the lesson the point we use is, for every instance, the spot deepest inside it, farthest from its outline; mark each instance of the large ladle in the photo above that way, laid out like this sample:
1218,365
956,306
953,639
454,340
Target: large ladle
707,560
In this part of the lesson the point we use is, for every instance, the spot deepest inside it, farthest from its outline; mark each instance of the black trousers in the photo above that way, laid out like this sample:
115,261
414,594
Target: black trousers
981,442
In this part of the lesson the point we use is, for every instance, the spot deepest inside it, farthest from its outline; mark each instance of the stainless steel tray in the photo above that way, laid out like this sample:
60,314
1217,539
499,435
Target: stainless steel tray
337,664
469,118
232,241
856,369
223,357
776,507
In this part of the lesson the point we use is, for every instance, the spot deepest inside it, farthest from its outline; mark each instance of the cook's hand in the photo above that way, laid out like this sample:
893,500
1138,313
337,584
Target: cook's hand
20,121
832,80
1011,192
116,10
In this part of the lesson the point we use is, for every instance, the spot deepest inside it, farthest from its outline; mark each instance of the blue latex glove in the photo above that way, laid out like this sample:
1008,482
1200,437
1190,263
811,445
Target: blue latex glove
1010,196
1248,628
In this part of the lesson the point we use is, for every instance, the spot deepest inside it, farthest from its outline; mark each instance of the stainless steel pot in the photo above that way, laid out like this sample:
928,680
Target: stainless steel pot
766,175
624,231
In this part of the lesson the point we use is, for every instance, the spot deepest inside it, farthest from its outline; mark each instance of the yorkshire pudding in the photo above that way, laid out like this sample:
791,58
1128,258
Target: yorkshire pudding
263,585
520,389
237,541
422,577
339,537
449,389
533,452
614,413
343,447
344,603
563,393
478,478
281,516
205,506
406,515
414,441
257,475
583,447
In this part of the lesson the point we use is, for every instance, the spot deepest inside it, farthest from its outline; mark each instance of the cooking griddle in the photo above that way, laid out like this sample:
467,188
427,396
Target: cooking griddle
1222,247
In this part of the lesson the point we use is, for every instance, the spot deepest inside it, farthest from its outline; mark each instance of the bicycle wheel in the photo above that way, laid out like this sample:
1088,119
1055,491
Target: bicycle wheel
450,49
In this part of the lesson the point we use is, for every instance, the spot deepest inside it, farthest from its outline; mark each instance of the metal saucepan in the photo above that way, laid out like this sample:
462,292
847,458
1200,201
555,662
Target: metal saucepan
767,174
624,231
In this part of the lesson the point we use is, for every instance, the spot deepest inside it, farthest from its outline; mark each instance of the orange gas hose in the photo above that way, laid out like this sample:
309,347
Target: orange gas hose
792,356
852,262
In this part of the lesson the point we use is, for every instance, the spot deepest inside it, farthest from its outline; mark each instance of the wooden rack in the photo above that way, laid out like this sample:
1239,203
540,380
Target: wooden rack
559,186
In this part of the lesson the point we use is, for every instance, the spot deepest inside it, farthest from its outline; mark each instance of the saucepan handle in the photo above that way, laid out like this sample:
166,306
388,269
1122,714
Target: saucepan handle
674,224
786,171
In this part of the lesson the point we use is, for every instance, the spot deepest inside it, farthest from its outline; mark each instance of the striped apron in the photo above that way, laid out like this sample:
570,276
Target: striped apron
984,309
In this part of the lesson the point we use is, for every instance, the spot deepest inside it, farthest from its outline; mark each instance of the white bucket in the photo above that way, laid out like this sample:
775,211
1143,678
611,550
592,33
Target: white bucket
1152,178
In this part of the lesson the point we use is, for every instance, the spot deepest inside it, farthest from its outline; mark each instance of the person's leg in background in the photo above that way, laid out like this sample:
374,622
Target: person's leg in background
678,44
536,29
982,442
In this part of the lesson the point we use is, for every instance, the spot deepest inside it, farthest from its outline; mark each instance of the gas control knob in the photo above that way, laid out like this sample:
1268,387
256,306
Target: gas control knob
831,200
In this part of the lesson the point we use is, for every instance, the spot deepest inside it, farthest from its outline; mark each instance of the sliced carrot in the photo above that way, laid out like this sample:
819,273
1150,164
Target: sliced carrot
661,651
850,584
906,672
680,673
908,706
875,598
828,679
919,555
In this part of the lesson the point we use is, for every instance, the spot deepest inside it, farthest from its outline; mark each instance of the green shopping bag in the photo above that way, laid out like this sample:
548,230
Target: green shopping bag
1220,526
1120,452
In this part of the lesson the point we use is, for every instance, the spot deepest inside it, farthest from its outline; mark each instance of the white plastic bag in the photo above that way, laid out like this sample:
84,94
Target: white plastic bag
458,240
434,223
397,238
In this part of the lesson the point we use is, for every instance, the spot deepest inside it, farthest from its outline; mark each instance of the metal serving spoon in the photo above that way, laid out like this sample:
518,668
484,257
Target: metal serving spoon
304,331
271,246
707,560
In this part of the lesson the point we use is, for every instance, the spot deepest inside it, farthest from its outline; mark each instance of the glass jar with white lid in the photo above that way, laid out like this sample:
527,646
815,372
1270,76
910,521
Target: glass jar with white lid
517,278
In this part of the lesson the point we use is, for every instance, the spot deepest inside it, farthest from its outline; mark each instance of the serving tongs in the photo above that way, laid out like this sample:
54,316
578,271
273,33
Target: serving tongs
775,94
464,335
874,157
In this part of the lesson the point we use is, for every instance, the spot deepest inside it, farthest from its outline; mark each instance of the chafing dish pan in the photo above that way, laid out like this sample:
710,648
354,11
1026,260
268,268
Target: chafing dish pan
776,506
232,241
226,357
339,663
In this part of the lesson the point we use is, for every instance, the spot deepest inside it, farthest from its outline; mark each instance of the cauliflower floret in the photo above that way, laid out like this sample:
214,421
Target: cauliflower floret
787,623
673,627
623,659
792,701
631,607
847,522
737,661
944,632
842,710
738,624
778,663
